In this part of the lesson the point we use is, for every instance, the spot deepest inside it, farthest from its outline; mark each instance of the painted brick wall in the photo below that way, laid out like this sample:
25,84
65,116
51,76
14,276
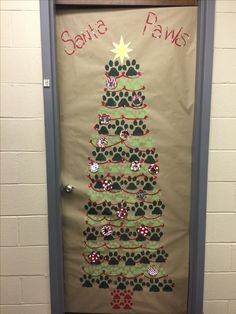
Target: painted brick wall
220,277
24,285
24,244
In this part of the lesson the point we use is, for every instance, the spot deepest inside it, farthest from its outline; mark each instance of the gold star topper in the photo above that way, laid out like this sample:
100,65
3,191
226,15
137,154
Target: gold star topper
121,50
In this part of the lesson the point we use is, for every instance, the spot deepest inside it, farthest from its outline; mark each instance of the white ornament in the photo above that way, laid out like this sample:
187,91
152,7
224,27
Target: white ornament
93,167
124,134
107,230
102,142
111,82
153,271
135,166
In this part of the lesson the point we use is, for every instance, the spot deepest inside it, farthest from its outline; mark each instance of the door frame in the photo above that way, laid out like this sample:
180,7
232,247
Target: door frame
205,39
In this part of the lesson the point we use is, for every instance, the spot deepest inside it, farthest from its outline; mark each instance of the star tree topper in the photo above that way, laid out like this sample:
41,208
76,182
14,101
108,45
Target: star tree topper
121,50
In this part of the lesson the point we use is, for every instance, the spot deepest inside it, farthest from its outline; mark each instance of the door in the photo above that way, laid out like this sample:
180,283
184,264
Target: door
126,79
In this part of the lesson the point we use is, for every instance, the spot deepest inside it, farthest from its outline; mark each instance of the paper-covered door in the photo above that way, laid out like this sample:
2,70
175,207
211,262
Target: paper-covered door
126,96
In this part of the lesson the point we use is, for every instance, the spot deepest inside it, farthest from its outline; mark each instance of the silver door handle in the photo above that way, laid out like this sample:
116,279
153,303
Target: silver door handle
68,188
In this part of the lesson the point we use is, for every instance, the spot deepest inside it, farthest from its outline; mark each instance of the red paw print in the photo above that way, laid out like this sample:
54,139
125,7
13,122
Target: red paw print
122,299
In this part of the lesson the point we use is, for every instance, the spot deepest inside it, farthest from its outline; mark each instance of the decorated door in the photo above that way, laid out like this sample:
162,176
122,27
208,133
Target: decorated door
126,96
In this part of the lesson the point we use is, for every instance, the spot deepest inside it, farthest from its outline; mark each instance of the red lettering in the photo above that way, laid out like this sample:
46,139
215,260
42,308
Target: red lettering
88,36
157,30
92,31
172,34
101,24
66,33
184,38
79,38
150,20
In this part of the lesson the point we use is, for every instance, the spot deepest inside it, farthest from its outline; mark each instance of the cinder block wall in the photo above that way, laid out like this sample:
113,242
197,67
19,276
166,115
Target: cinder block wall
24,244
220,277
23,222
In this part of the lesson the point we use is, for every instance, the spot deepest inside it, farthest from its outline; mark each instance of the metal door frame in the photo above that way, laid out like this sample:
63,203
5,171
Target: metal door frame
205,39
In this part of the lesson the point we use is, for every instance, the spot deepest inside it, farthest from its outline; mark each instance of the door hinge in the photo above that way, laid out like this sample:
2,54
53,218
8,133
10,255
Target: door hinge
46,83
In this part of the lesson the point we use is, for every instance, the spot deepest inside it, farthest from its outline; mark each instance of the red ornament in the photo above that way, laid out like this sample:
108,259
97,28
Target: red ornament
122,213
124,134
107,186
104,118
102,142
137,101
94,258
143,230
111,82
153,169
135,166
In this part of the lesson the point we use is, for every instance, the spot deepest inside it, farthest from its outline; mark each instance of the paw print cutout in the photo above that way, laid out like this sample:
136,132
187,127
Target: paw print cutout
161,256
87,281
106,211
121,299
103,282
91,209
168,285
129,259
157,207
122,99
113,258
131,68
137,284
156,234
151,158
128,300
116,299
137,99
109,99
99,154
91,234
154,285
122,283
144,257
138,128
112,68
120,126
123,234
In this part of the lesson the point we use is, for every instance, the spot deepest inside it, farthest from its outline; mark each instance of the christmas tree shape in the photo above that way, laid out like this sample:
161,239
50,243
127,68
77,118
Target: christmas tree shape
124,225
